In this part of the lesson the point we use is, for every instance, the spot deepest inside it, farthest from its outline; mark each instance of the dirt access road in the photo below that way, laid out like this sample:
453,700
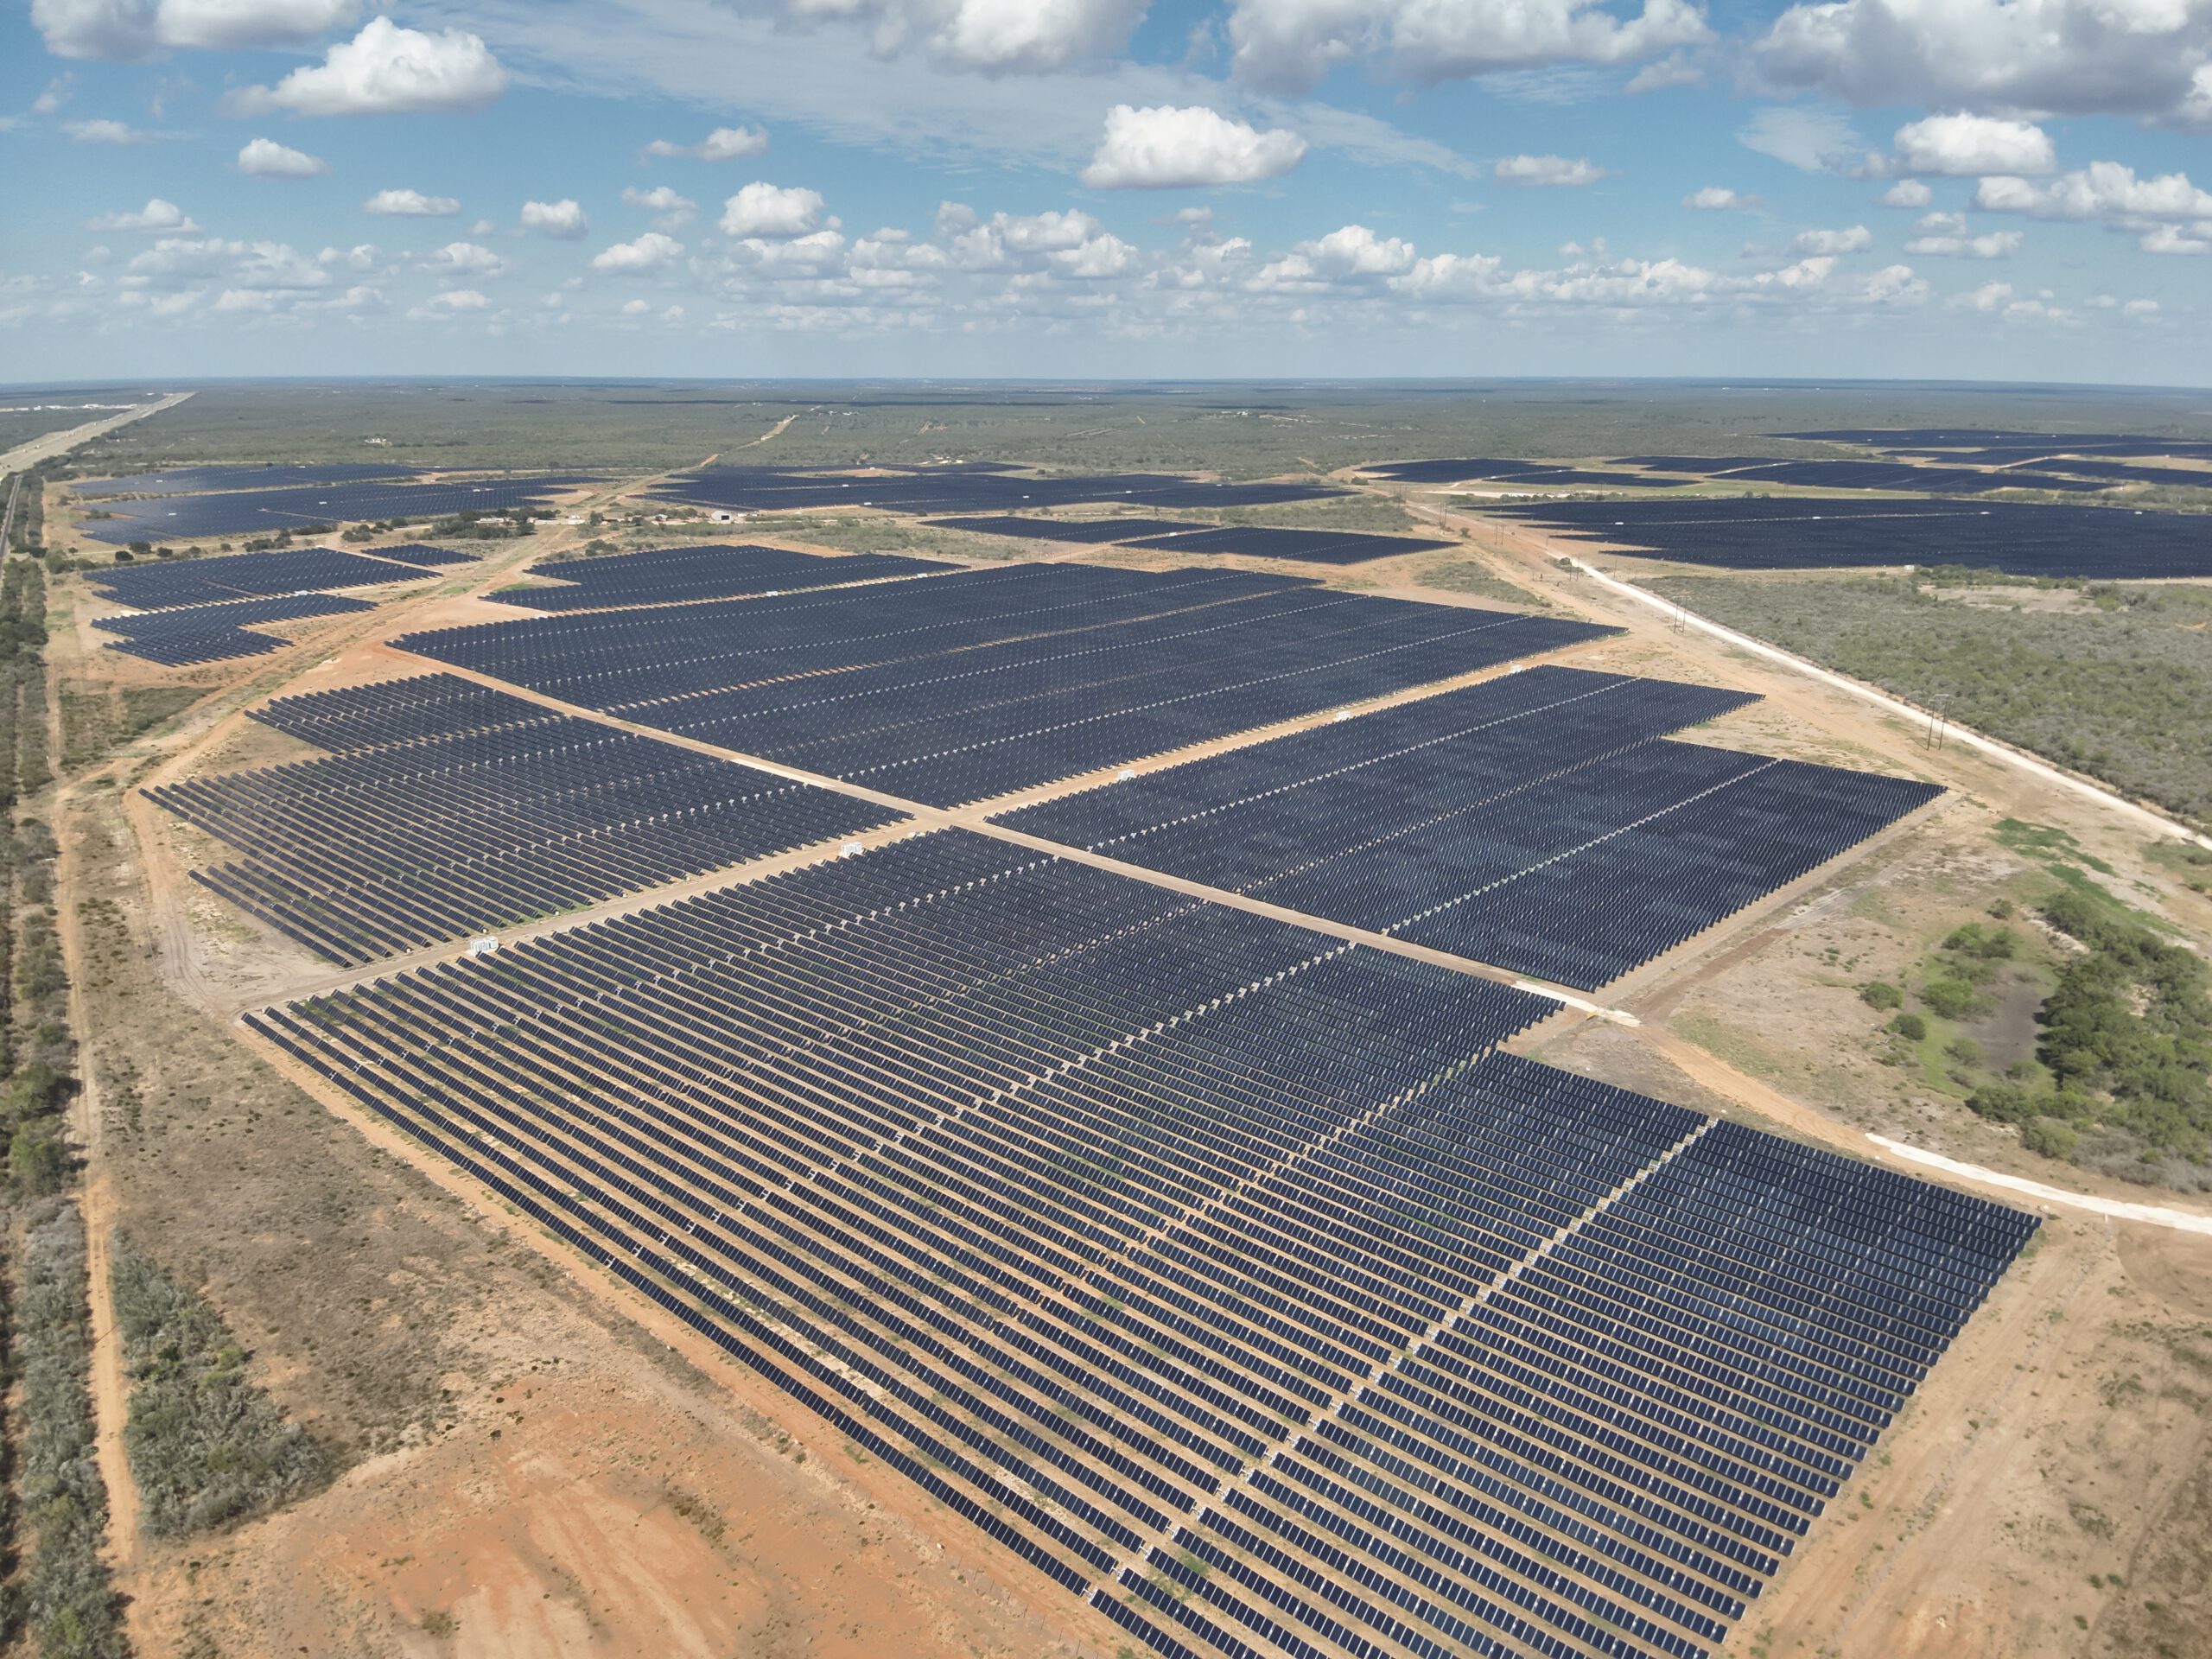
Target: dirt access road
60,443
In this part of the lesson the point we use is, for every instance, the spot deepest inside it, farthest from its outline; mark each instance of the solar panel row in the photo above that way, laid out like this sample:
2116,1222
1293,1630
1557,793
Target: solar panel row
1013,697
666,575
1546,475
393,712
1111,1219
208,633
436,832
1307,546
617,660
193,480
172,583
2107,542
1086,531
764,489
1881,475
1535,822
246,512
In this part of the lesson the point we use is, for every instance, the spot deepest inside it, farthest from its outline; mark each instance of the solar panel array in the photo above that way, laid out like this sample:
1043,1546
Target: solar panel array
1088,532
422,553
247,512
1772,534
452,811
195,481
213,633
1982,439
1307,546
961,490
667,575
1183,1252
173,582
1541,474
1874,476
974,685
2128,473
1533,822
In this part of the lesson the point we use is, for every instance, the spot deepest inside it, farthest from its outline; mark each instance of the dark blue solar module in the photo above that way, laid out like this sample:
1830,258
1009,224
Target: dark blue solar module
1541,474
1305,546
767,489
2129,472
1896,475
193,480
436,832
1047,677
171,583
667,576
1920,437
1774,534
1088,532
233,613
212,633
210,644
1182,1251
1533,822
394,712
246,512
422,553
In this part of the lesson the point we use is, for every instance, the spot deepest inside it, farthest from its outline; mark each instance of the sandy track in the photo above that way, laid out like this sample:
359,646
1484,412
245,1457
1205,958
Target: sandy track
60,443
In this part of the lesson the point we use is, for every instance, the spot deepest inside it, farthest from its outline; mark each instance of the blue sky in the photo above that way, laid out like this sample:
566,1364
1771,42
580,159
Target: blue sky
1993,189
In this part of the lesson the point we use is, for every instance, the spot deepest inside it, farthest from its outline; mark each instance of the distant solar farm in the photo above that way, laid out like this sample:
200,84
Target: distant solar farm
1051,1020
195,611
2113,541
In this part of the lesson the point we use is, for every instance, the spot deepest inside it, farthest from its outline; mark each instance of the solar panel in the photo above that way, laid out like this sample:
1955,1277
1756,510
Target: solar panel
1799,534
976,684
1186,1252
466,811
667,575
1536,821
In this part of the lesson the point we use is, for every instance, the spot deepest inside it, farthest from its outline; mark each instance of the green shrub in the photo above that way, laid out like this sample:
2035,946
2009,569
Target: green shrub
2051,1138
207,1446
1911,1027
1880,994
1953,999
2004,1102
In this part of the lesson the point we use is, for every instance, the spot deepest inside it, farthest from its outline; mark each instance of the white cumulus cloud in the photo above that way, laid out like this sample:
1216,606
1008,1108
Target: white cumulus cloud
120,134
1167,148
411,204
1965,146
1857,239
1718,198
156,217
2068,57
386,69
768,210
125,30
264,158
996,37
1546,171
465,259
563,219
1946,234
1908,193
722,144
648,252
1292,44
671,212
